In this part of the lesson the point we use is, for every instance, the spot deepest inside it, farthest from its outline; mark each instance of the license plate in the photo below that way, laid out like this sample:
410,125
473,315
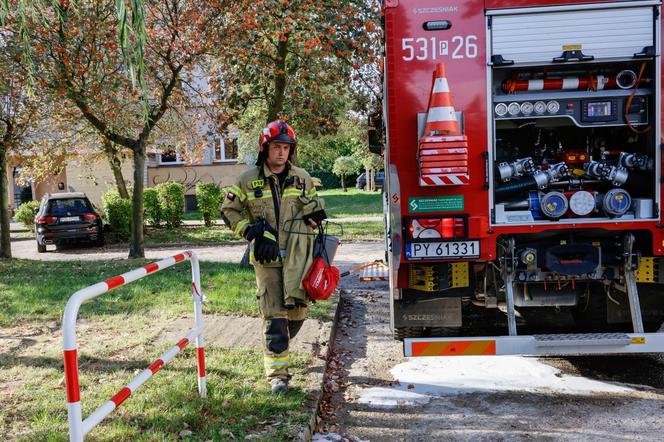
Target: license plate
447,249
68,219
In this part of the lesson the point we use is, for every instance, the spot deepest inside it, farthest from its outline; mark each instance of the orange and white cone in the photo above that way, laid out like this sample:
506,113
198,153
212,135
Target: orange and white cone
441,118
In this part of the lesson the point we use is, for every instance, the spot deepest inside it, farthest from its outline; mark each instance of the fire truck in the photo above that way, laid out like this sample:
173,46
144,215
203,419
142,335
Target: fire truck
523,176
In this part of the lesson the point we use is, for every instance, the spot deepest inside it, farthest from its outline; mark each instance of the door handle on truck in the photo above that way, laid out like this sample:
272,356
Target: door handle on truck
574,55
486,170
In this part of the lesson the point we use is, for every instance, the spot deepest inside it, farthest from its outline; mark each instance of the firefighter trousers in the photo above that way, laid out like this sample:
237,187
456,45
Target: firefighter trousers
279,324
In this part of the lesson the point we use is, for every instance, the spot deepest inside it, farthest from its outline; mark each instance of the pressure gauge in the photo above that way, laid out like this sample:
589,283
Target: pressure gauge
501,109
540,107
514,109
527,108
553,107
582,203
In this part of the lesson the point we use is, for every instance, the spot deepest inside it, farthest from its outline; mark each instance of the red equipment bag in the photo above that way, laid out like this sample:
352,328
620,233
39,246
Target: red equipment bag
321,280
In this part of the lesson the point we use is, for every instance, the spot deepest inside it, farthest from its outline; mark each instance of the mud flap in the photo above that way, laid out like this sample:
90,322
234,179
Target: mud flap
435,312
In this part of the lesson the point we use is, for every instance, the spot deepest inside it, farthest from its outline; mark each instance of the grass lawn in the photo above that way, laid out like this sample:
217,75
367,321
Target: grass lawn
354,203
219,234
167,407
190,235
364,230
115,334
38,290
338,204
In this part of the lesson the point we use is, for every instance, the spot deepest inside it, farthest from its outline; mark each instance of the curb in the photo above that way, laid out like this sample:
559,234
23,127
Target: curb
307,433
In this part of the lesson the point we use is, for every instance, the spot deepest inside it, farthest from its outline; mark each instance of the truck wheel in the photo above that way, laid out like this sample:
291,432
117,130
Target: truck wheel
442,332
41,248
408,332
591,313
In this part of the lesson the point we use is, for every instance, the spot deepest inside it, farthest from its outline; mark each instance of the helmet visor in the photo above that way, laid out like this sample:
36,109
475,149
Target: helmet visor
283,138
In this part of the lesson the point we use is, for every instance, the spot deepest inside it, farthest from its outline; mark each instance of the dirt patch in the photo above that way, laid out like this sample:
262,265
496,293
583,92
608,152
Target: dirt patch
240,332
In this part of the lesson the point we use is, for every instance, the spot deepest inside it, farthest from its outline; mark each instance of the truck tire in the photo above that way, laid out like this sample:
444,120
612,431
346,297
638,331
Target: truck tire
41,248
590,314
443,332
408,332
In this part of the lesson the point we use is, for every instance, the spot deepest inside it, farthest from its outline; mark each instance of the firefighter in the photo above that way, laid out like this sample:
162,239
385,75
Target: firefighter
267,204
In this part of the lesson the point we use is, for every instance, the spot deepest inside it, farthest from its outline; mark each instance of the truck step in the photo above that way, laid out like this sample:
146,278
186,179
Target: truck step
582,339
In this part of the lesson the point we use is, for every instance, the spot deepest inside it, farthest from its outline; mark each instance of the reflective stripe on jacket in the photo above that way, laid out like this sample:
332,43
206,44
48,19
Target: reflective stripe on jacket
256,195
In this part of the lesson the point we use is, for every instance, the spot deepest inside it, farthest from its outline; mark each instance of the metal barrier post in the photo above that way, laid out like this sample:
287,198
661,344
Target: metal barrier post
78,427
198,297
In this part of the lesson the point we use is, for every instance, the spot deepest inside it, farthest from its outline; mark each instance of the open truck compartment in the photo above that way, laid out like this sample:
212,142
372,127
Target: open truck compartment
574,115
573,143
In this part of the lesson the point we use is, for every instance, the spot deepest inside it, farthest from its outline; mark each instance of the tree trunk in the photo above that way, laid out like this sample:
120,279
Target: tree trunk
5,241
116,166
343,182
136,249
277,104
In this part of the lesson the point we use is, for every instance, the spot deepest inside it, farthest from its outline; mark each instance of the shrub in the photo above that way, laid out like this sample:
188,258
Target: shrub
153,212
25,214
345,166
208,196
171,201
328,179
117,212
26,194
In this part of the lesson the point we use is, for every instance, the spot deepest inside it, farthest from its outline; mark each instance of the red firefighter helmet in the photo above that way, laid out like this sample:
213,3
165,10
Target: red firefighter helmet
277,130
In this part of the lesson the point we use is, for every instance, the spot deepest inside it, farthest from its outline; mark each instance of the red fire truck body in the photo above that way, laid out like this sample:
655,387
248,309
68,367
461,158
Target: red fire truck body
556,219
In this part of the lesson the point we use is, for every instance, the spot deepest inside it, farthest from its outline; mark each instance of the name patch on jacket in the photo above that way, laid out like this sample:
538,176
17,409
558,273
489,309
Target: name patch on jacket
257,183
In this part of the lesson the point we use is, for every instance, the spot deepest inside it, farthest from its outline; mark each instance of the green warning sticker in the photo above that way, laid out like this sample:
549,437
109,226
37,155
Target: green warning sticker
450,203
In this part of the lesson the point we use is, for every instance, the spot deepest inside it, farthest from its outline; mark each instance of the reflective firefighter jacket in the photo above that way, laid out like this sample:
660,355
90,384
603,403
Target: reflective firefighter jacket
257,194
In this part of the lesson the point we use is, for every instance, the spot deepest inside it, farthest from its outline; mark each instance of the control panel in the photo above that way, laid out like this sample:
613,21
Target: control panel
607,111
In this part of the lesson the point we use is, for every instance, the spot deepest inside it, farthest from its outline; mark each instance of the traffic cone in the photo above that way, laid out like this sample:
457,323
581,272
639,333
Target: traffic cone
443,150
441,118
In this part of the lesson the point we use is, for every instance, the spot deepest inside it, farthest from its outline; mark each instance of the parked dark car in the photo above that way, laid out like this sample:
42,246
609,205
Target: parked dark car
67,218
361,181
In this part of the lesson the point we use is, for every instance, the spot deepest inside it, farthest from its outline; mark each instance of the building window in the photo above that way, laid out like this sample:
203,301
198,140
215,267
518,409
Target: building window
225,150
169,156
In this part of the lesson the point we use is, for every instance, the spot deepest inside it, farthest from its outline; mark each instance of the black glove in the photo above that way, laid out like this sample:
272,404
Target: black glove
318,216
266,248
255,230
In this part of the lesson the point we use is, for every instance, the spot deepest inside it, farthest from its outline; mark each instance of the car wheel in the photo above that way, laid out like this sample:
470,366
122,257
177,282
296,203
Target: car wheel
41,248
100,241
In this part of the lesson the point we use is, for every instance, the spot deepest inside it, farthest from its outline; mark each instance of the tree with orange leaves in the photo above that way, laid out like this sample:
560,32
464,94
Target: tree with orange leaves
299,59
79,58
19,112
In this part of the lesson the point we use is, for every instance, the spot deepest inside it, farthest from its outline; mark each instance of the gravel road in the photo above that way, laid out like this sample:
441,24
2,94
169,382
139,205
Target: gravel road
348,254
373,393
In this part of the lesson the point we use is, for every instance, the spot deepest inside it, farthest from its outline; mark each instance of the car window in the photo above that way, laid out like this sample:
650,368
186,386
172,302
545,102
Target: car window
73,206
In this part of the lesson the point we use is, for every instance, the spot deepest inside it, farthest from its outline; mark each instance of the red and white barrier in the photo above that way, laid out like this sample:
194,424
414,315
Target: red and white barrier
79,427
